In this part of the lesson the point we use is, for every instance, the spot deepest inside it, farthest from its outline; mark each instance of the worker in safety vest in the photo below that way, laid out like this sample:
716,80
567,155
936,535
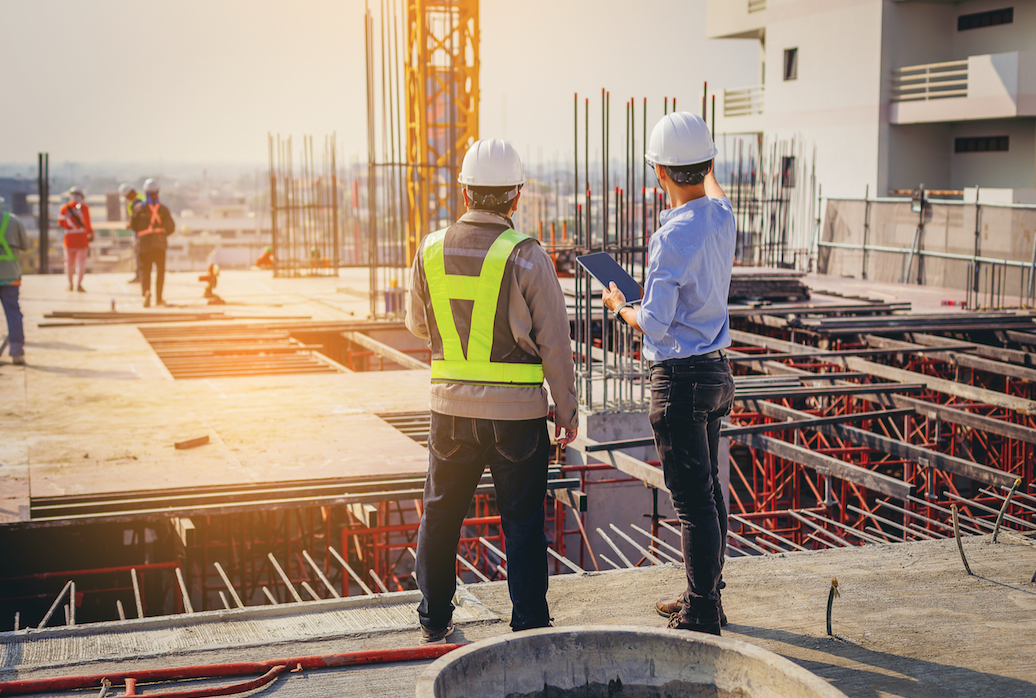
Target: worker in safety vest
75,219
685,327
489,302
12,237
153,224
133,200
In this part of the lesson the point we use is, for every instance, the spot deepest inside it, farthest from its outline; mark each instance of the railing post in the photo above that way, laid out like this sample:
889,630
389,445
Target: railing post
978,217
866,227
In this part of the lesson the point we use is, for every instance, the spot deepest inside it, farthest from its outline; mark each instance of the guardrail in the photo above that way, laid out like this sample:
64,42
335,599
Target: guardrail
756,5
743,101
916,83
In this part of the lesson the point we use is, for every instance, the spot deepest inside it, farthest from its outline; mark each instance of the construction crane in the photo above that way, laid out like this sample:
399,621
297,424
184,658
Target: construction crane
442,95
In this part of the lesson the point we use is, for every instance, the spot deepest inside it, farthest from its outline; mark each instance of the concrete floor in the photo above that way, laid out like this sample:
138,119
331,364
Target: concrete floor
909,623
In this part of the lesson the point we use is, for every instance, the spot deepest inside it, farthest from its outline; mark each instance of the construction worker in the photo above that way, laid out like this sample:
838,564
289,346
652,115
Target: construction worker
685,326
265,260
487,299
133,200
153,223
75,219
12,237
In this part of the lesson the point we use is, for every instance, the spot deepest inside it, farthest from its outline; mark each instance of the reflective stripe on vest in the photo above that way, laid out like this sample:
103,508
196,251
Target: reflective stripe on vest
156,218
131,204
484,290
7,256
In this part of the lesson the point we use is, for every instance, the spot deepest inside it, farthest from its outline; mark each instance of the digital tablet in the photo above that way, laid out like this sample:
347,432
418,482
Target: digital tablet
605,269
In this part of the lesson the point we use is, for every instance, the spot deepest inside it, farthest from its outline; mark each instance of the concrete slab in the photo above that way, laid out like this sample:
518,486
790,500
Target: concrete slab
95,411
909,622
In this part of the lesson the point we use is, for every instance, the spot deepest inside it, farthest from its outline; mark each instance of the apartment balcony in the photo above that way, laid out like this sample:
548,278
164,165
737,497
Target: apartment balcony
743,109
735,19
992,86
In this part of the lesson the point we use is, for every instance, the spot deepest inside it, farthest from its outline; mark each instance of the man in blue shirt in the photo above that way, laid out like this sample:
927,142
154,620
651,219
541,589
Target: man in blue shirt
683,317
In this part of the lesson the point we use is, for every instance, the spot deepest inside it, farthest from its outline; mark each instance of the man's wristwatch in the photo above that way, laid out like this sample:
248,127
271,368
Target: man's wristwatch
617,313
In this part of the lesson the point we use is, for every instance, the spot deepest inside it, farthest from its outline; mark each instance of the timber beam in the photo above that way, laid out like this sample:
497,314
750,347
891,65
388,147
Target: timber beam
900,449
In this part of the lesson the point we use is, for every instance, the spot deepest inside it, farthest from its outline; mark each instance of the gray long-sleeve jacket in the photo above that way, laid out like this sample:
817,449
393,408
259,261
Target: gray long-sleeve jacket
11,270
539,324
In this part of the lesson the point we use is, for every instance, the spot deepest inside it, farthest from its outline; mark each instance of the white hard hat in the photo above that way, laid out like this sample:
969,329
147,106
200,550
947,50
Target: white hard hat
680,139
125,188
151,185
75,193
491,163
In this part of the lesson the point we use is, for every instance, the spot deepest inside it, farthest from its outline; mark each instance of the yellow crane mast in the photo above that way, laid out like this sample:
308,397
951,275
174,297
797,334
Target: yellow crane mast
442,95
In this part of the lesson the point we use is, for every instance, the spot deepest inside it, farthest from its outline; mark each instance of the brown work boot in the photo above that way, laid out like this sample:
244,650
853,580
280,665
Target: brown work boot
667,607
676,623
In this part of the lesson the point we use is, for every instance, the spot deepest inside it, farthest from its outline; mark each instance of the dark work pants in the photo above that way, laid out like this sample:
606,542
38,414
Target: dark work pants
147,259
689,397
13,313
459,450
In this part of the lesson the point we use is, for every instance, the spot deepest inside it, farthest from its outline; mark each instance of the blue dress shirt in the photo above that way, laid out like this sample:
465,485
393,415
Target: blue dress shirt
690,259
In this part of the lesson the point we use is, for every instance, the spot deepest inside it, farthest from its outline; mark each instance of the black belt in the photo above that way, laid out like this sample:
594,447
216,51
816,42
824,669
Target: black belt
714,355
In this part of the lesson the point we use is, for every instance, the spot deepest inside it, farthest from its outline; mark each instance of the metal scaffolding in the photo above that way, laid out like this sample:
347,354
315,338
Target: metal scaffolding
304,208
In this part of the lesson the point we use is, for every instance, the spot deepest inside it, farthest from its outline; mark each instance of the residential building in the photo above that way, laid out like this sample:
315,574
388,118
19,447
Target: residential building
893,93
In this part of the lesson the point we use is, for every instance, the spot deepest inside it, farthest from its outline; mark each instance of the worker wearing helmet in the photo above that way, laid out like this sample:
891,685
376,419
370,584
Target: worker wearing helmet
265,260
132,200
75,219
683,318
12,237
488,300
153,223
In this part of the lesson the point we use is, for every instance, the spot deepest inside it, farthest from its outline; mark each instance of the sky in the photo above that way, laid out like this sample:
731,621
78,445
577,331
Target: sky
204,81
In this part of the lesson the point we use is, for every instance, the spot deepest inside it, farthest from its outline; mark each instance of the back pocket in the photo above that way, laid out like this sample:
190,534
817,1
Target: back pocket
517,441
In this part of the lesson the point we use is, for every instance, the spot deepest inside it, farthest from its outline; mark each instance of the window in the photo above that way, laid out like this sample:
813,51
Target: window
985,19
981,144
791,64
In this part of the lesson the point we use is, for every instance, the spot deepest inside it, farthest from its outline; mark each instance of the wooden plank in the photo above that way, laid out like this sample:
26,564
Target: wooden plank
828,465
901,449
961,359
968,392
1014,356
365,514
948,413
650,475
574,499
386,352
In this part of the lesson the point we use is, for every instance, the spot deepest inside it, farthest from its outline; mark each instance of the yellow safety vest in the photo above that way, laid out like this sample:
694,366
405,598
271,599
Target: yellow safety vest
484,290
8,255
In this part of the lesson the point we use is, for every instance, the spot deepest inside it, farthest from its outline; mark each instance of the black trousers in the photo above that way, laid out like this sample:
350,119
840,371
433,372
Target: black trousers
147,259
459,451
689,398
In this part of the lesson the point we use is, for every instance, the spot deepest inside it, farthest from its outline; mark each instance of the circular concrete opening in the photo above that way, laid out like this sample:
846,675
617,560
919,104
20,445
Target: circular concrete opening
617,662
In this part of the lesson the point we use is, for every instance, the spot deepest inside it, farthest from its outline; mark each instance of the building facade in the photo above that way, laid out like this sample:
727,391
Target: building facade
893,93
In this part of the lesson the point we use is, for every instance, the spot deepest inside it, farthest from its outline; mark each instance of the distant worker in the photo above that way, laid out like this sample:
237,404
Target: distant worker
133,200
265,260
12,237
488,300
153,223
75,219
685,324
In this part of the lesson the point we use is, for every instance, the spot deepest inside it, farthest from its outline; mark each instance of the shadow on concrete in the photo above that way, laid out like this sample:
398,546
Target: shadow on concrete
58,346
85,372
917,678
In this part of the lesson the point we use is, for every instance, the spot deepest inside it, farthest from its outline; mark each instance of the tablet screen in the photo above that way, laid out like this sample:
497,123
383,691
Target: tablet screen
605,269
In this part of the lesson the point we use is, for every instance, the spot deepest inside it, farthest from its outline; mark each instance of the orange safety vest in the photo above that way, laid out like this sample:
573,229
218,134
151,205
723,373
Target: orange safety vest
155,225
